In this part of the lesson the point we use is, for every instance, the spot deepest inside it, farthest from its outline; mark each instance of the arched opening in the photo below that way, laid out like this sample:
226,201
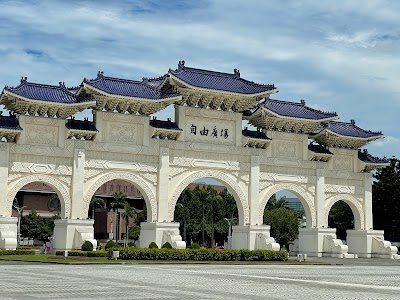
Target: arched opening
341,217
117,207
285,213
206,210
36,205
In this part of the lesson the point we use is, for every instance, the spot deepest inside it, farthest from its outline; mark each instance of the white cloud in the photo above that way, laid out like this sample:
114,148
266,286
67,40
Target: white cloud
337,55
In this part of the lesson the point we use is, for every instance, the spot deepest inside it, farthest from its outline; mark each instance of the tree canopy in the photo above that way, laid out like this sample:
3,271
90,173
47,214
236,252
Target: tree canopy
386,200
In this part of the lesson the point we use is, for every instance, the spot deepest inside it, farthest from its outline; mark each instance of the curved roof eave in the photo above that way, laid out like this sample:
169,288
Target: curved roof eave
263,94
300,119
174,98
85,103
372,138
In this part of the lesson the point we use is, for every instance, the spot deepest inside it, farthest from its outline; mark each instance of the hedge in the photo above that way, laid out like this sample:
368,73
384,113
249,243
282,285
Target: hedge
17,252
199,254
98,253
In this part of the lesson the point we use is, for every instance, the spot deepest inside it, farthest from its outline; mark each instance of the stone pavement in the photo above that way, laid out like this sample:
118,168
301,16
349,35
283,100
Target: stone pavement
176,281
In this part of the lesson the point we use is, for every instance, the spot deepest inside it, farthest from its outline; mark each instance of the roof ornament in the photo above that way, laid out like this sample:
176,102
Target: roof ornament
62,84
145,79
100,74
303,102
353,122
236,72
24,79
181,65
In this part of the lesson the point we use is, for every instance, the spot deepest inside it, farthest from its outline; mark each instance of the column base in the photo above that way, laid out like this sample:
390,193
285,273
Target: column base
72,233
160,233
8,233
253,237
311,241
370,243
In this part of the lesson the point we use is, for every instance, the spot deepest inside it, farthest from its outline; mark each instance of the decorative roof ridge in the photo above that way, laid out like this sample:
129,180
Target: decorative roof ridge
353,123
100,76
145,79
144,82
302,103
235,75
60,86
365,152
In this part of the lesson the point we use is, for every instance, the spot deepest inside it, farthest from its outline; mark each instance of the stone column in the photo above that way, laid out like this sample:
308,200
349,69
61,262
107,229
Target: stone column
319,200
162,185
368,222
254,187
78,177
311,240
73,230
4,161
8,224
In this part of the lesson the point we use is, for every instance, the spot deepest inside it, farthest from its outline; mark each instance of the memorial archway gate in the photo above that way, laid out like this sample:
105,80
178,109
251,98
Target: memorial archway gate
162,157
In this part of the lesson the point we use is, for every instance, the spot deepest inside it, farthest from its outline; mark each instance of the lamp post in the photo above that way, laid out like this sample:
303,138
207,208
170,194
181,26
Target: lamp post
230,226
19,211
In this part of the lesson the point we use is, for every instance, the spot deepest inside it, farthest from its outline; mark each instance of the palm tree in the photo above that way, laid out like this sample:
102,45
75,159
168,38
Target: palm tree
96,202
128,214
118,201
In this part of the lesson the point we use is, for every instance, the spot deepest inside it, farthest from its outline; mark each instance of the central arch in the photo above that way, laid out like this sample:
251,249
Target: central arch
355,205
231,185
136,180
305,199
61,190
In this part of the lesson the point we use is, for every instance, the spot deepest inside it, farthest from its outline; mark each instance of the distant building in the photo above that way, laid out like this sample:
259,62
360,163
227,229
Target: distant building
295,204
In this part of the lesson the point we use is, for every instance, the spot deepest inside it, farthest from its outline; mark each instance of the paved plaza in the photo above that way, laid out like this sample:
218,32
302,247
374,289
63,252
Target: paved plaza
175,281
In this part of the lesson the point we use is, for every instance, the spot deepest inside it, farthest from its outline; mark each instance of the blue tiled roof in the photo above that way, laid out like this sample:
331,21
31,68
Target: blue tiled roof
9,122
255,134
219,81
128,88
318,149
364,156
48,93
296,110
164,124
350,129
80,125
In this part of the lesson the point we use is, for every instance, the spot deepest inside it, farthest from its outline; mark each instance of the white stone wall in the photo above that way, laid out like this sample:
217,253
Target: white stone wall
161,169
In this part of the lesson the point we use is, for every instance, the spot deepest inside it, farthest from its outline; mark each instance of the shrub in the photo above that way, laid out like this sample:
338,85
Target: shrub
199,254
153,245
17,252
87,246
110,244
99,253
195,246
166,246
131,244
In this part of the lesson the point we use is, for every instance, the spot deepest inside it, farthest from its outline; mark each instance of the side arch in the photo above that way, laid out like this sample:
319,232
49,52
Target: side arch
355,205
230,184
136,180
304,197
61,190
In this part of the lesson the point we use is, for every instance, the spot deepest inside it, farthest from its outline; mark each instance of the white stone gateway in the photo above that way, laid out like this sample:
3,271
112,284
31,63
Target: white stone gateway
162,157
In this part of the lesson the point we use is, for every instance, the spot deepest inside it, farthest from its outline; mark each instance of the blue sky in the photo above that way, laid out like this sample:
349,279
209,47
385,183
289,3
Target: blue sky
339,56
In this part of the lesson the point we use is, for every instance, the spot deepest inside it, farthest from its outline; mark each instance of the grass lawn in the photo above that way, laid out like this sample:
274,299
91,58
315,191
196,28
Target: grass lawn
49,258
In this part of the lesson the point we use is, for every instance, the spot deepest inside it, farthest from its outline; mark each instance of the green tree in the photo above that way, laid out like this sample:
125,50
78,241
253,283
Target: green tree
386,199
128,214
284,224
341,217
35,227
96,202
118,201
